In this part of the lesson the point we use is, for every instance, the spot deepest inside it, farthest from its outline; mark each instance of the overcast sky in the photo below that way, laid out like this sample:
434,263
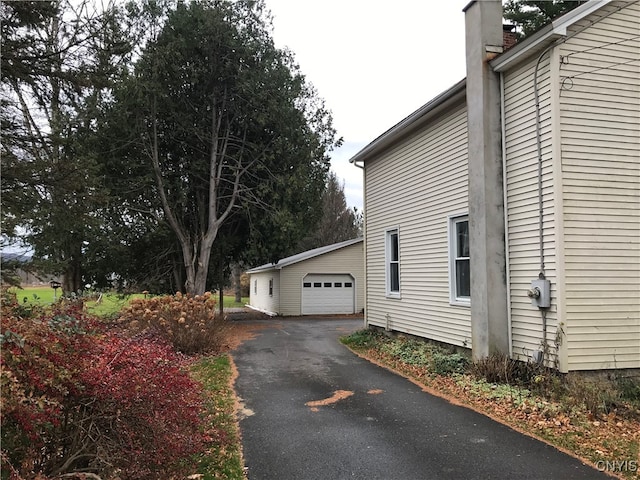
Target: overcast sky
373,62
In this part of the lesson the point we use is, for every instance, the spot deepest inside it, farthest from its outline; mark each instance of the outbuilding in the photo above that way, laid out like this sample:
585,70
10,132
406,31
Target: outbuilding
325,280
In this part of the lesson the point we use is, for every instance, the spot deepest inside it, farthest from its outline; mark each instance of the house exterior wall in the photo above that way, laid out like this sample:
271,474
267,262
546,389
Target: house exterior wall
522,207
415,187
262,300
346,260
572,199
590,124
599,100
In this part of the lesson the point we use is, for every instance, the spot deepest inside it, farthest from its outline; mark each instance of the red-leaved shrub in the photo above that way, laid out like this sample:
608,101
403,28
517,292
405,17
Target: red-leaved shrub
78,398
39,375
150,418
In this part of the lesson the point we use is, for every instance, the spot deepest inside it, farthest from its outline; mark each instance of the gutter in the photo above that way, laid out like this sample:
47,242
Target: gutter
544,37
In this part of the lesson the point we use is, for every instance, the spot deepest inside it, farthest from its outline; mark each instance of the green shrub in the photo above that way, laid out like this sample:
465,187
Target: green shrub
597,395
362,339
629,389
444,363
411,352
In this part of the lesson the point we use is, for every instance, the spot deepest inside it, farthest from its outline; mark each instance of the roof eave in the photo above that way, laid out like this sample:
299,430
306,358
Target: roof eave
417,118
545,37
316,252
264,269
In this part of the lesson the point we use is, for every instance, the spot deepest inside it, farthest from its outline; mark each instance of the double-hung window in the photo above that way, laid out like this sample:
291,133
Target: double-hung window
271,287
459,262
392,263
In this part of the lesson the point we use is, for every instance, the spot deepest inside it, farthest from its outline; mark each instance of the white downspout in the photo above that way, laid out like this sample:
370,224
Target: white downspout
364,243
503,129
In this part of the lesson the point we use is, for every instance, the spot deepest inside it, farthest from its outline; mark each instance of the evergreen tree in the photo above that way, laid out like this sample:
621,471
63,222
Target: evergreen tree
338,223
217,135
58,58
531,15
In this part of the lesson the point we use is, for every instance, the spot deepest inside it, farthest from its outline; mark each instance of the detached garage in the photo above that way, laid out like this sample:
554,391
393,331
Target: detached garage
325,280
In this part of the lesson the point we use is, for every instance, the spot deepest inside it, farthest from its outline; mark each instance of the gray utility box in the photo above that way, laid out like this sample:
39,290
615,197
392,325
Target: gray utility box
540,293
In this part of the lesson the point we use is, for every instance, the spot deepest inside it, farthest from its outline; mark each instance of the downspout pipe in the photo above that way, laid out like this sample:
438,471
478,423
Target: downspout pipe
503,128
364,244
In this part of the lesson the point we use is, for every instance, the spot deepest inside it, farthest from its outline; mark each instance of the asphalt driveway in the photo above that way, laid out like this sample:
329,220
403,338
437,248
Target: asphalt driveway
314,410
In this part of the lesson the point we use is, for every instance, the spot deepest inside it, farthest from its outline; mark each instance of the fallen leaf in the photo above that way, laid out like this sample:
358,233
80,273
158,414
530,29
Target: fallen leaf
337,396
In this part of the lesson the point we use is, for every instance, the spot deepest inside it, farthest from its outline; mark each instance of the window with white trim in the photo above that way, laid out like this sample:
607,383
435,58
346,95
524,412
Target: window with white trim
392,263
255,287
271,287
459,262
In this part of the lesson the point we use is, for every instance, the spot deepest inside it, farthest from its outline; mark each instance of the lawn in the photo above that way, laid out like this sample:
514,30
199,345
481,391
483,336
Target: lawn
224,457
108,304
230,302
42,295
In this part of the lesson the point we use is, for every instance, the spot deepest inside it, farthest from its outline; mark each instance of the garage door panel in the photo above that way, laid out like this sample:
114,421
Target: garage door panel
328,294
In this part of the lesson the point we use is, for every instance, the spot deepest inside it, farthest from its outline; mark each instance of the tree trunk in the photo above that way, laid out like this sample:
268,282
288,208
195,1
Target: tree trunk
190,269
72,278
178,278
202,268
197,272
67,282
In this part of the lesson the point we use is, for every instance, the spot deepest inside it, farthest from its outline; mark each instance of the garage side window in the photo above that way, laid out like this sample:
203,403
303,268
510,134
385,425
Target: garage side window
271,287
392,263
255,287
459,261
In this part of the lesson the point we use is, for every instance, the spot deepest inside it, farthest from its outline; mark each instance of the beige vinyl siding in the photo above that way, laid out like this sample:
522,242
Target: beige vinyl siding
522,207
262,300
600,125
415,187
346,260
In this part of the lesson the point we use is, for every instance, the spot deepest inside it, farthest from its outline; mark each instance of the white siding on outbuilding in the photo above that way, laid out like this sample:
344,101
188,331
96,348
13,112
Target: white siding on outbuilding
415,186
265,291
345,261
340,264
600,124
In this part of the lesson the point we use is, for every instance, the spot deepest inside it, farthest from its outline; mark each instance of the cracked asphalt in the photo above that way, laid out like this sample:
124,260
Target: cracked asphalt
314,410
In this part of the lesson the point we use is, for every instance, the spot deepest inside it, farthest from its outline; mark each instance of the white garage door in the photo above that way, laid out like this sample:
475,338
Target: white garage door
322,294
